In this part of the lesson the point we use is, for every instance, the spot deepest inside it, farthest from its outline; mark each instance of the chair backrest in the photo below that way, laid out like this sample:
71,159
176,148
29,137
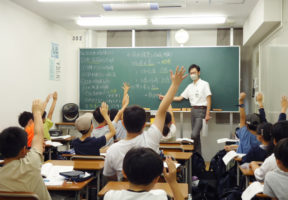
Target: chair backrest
18,196
82,157
171,149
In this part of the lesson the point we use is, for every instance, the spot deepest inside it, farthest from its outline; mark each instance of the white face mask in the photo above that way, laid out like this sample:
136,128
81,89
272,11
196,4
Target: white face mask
194,77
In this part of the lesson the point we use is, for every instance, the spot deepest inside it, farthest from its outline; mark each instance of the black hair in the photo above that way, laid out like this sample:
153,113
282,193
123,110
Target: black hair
113,113
142,165
134,118
98,116
265,130
166,128
24,118
12,140
194,66
280,130
44,115
253,126
281,152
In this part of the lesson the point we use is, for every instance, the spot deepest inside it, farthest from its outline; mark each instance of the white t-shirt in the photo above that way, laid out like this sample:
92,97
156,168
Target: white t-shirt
116,153
268,165
171,136
121,131
131,195
197,93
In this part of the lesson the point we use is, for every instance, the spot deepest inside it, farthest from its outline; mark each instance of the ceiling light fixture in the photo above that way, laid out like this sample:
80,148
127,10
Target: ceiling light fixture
188,20
130,6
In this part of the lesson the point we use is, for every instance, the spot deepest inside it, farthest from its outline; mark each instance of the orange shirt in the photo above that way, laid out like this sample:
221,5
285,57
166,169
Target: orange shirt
30,134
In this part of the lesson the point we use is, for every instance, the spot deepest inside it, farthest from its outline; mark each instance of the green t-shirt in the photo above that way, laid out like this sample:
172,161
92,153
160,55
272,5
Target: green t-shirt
47,125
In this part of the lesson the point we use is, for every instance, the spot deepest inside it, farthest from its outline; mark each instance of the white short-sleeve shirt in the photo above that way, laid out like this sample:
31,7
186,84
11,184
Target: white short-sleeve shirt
116,153
129,195
268,165
197,93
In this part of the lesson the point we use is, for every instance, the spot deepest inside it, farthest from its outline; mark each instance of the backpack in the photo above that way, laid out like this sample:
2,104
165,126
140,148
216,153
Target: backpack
217,165
232,194
198,165
207,187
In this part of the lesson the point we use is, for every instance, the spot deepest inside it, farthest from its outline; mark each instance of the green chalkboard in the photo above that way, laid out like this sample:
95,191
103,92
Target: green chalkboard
103,70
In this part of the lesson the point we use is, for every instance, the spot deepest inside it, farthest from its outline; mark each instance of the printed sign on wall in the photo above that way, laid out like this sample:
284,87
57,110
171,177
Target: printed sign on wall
55,65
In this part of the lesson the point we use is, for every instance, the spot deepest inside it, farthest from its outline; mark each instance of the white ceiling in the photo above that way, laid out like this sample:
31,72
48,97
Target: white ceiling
66,13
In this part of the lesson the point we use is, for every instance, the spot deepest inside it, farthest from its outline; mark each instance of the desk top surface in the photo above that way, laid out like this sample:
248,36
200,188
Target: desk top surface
185,147
113,185
80,164
179,155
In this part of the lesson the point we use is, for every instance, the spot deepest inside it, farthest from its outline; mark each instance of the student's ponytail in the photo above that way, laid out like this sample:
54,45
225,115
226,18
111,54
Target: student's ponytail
166,128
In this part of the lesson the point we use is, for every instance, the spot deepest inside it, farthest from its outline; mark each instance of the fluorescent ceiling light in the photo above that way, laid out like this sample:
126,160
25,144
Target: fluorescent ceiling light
65,0
100,21
187,20
130,6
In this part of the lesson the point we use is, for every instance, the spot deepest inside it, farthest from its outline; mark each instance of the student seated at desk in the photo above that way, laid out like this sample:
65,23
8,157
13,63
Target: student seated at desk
47,121
134,118
276,181
169,130
25,120
102,128
22,169
87,145
261,152
247,131
279,132
143,167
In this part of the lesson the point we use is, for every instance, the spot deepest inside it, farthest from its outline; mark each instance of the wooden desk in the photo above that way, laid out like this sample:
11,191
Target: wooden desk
66,126
113,185
187,157
69,186
93,165
185,147
64,141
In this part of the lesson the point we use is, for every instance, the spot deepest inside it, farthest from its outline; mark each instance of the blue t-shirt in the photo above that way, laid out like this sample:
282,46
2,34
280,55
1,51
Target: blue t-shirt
90,146
247,140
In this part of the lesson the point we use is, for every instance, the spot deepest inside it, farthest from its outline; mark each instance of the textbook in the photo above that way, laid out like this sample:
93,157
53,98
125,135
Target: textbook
230,156
61,137
166,166
50,173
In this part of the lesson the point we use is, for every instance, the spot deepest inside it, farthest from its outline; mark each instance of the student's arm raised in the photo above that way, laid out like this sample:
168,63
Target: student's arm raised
171,179
104,113
38,139
124,106
55,97
176,79
242,110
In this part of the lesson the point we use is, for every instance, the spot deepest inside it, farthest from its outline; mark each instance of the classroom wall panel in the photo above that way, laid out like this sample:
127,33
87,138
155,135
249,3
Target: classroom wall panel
25,40
273,70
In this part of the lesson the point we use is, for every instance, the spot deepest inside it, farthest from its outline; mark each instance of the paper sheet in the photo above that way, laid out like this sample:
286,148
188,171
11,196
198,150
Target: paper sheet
223,140
204,128
231,155
166,166
61,137
52,173
54,144
253,189
184,139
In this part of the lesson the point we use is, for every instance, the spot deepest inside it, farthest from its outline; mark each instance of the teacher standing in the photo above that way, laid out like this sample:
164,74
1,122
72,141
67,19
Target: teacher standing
199,94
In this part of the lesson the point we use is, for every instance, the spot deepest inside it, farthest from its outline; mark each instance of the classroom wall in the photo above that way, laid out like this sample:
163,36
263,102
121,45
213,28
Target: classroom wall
25,40
271,67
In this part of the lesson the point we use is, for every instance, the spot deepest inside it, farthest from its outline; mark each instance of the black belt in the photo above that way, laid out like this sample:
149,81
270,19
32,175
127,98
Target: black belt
199,107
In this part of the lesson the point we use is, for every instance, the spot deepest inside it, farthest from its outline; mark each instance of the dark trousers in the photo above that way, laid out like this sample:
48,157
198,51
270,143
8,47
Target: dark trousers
197,116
